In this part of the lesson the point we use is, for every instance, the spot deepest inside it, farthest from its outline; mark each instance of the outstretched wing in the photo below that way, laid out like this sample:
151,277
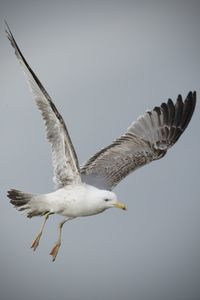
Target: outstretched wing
147,139
65,162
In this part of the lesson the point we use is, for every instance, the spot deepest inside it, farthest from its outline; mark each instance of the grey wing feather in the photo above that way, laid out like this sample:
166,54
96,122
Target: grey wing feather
65,162
146,139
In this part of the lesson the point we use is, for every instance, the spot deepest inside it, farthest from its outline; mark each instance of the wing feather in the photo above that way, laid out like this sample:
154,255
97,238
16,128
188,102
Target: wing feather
64,158
147,139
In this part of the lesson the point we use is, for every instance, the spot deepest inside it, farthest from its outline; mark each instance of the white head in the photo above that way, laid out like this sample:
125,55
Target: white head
103,199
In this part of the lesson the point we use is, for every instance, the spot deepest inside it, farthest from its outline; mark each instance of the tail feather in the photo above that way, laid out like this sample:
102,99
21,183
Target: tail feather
22,202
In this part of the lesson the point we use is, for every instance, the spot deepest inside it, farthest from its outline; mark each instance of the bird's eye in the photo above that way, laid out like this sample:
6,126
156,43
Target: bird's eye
106,200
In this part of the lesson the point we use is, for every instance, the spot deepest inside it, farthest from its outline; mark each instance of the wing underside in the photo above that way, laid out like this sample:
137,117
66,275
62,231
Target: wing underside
65,162
147,139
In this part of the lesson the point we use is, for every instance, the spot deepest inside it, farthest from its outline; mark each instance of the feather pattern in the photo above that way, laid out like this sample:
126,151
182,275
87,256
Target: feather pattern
147,139
65,162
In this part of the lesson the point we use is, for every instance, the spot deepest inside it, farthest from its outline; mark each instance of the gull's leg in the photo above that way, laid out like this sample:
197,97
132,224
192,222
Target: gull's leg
36,241
55,249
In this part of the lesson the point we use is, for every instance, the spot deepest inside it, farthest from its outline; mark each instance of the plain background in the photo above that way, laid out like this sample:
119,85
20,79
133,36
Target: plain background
104,63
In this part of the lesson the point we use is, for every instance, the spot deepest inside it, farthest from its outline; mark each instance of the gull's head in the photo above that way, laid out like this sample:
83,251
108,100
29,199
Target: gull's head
109,199
104,199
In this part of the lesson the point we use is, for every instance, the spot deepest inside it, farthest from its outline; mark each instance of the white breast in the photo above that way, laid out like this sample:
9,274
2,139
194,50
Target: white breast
73,201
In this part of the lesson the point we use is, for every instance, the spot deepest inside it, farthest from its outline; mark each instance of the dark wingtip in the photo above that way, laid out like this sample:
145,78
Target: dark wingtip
189,105
7,28
10,36
6,23
184,113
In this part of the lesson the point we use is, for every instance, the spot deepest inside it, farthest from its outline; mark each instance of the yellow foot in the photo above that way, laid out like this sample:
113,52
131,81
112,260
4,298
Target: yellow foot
36,242
54,251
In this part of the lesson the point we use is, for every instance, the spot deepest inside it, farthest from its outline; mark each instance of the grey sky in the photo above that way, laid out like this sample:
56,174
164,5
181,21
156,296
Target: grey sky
104,63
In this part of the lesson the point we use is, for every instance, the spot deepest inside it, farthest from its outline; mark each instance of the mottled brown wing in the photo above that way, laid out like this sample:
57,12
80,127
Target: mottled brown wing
147,139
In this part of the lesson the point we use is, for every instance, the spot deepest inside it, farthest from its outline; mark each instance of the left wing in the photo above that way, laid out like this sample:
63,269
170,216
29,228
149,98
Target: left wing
147,139
65,162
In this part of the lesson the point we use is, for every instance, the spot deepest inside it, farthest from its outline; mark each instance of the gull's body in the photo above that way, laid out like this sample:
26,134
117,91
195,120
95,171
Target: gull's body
87,190
71,201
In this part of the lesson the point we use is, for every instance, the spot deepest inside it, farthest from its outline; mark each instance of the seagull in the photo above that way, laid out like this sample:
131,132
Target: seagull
88,190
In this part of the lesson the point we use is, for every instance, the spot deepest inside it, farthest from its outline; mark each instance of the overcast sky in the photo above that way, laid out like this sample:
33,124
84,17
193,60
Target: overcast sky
104,63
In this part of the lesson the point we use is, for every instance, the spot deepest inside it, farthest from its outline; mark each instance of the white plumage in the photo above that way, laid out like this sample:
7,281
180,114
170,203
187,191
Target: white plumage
71,201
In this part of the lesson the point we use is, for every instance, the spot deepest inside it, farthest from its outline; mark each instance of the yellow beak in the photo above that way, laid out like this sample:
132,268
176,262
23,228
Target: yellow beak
120,205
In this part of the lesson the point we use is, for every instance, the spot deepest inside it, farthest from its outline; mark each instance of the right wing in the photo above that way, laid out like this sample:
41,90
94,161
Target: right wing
65,162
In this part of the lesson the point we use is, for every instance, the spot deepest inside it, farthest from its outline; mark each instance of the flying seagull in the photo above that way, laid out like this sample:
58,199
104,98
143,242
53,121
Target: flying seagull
87,190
